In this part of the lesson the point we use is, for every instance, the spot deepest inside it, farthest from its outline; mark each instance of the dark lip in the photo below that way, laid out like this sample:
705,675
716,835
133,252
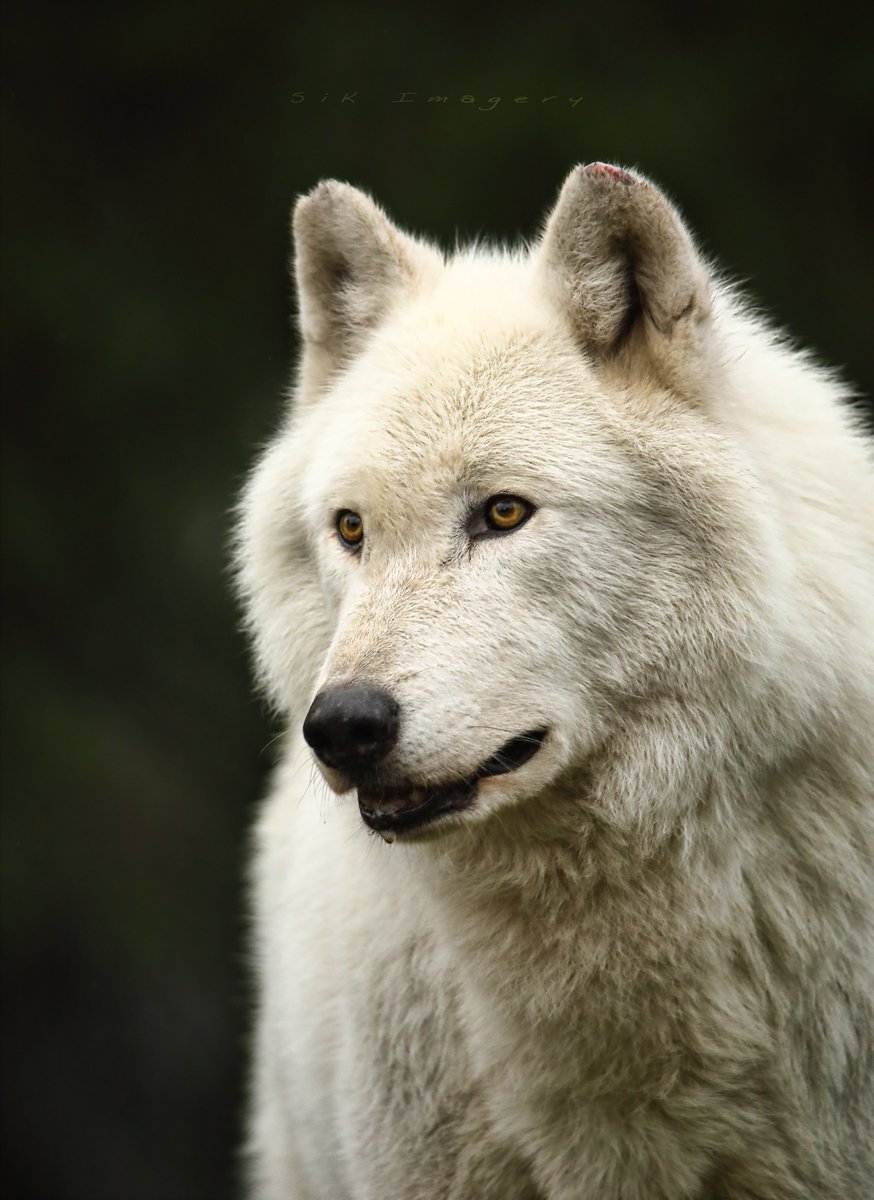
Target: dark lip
393,809
512,754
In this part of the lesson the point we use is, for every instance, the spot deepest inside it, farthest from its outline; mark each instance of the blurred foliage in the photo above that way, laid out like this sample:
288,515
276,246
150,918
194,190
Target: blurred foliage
149,155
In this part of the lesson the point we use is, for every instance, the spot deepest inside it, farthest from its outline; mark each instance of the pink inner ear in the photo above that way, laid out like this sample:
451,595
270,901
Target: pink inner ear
599,168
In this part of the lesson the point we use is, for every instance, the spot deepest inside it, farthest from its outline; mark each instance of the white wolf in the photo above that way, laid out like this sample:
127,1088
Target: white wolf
563,566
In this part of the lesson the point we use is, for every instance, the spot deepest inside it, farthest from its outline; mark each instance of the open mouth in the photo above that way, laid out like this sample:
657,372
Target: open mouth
391,810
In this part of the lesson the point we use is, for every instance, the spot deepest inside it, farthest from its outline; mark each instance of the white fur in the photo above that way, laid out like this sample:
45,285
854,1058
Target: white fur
641,965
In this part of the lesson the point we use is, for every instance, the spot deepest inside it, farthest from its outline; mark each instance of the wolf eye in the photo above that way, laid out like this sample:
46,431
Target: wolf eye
350,527
507,512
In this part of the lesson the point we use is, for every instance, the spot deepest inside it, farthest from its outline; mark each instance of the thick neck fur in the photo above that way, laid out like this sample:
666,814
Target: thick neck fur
592,894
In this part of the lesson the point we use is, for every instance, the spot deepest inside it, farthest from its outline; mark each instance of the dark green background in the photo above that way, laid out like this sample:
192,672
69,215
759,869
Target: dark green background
150,155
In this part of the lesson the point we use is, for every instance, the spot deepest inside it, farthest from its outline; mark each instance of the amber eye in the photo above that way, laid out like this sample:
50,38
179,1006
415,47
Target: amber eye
350,527
507,512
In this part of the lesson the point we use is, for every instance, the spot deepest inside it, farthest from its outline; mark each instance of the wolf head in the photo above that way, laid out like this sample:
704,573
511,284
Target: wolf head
496,540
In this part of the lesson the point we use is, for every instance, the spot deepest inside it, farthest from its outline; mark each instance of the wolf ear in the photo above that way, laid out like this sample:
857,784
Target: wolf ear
351,264
616,254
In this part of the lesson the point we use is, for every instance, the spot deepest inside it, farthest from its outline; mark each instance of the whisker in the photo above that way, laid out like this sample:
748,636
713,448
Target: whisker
516,737
272,741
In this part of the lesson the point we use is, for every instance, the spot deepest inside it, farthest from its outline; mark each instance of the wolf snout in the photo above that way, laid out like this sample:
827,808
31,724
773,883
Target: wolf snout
352,726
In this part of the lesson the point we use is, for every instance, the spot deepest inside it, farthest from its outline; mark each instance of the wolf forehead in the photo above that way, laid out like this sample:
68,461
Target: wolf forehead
437,400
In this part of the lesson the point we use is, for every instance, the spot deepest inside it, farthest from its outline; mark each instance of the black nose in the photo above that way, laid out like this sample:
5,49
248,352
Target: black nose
352,726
